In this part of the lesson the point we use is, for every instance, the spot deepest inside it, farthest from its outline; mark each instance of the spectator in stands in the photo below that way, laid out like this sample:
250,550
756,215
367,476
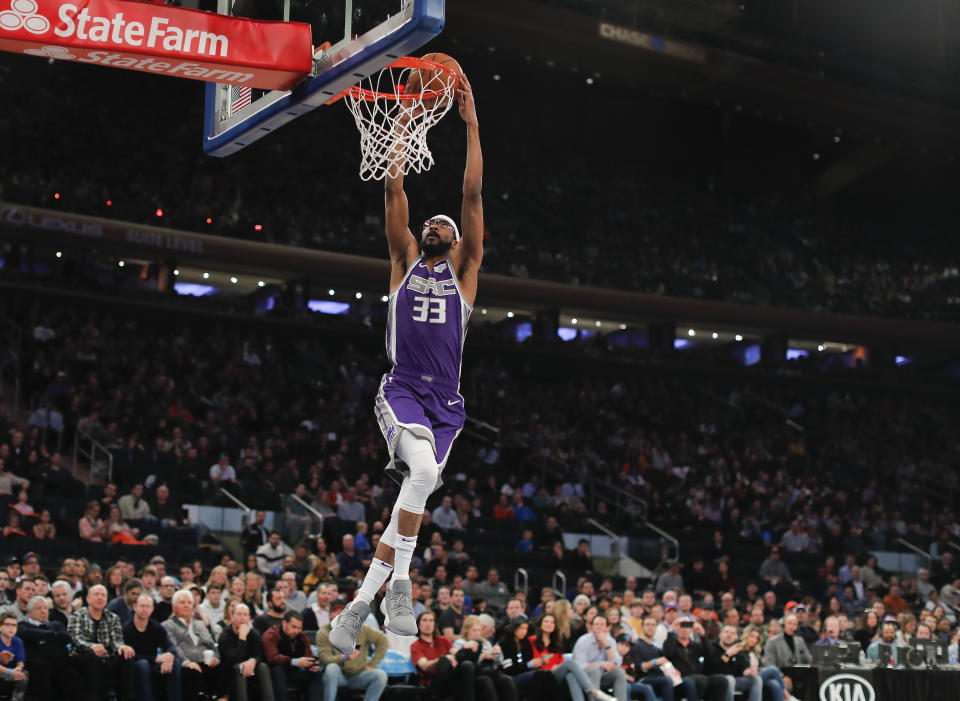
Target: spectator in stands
292,663
796,539
688,656
91,526
46,645
296,599
253,592
317,614
154,654
774,569
241,652
44,529
223,474
349,560
445,516
272,553
450,619
164,509
893,601
831,631
492,590
596,652
9,481
214,604
12,672
870,576
671,579
649,661
98,645
503,510
581,560
62,597
350,509
888,636
432,655
255,535
787,649
25,590
195,647
133,506
124,605
521,512
273,616
358,671
164,598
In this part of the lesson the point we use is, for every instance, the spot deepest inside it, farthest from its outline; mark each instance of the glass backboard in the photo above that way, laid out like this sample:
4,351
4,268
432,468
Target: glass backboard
352,39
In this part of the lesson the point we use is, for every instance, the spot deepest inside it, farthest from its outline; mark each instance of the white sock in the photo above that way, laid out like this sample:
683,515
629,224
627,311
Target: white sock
378,573
403,554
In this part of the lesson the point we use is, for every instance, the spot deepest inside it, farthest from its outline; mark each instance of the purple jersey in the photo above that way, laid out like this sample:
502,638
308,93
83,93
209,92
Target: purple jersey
427,322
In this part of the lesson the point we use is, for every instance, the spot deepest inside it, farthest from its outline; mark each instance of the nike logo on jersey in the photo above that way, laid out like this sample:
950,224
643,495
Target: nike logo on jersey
455,401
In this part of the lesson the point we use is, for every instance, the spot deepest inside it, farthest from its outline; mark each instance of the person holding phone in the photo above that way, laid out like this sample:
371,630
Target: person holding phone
292,663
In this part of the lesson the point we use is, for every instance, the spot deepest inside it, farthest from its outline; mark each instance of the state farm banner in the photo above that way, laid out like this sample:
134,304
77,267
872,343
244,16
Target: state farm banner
161,39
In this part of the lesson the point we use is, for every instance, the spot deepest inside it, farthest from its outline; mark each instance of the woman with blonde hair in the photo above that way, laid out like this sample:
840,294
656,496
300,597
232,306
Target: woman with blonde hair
563,615
253,592
218,575
546,645
318,575
490,683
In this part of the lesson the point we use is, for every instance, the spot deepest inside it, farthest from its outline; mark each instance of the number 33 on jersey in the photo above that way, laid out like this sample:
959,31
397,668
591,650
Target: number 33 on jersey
427,322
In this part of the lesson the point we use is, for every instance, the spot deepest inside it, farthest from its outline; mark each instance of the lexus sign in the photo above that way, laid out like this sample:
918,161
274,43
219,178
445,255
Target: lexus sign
847,687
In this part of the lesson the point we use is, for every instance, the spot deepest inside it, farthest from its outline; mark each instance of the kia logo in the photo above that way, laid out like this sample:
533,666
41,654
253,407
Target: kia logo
847,687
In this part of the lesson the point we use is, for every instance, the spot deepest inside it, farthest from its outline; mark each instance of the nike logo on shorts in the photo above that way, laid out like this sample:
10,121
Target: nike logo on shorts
455,401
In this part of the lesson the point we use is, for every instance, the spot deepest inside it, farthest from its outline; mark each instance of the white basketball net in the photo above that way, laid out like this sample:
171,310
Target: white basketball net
393,126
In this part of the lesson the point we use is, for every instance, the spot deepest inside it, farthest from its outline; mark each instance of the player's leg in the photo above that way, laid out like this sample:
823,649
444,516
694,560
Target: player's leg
395,551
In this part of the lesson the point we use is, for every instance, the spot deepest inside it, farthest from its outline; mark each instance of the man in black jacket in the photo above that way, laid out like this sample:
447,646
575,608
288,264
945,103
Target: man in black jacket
45,644
649,661
155,657
727,656
242,652
688,655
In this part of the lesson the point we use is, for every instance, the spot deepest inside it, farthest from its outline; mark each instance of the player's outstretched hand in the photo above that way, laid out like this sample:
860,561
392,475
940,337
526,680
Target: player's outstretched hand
464,93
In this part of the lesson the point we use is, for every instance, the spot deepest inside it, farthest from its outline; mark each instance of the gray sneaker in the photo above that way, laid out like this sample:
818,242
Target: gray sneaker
346,627
397,608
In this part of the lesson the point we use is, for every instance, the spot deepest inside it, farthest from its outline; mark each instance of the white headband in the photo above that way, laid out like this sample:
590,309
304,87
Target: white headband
453,224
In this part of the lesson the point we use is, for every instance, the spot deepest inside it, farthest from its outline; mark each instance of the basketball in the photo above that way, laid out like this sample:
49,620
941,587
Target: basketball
423,80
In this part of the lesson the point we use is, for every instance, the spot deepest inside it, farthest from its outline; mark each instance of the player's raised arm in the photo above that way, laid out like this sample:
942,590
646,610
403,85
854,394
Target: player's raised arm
470,248
400,240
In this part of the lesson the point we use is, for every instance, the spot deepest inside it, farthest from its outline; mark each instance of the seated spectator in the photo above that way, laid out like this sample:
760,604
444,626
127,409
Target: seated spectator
241,651
91,526
596,652
273,616
525,544
44,529
503,510
119,531
349,560
46,644
12,672
894,602
671,579
492,590
155,658
787,649
296,599
133,506
350,509
317,614
195,647
98,645
521,512
25,590
292,663
688,656
357,671
164,509
888,636
14,529
164,599
773,569
124,605
223,474
214,604
445,516
831,632
796,539
8,481
272,553
21,506
253,592
436,663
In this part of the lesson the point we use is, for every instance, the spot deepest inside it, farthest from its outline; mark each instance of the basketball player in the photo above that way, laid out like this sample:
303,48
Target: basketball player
419,408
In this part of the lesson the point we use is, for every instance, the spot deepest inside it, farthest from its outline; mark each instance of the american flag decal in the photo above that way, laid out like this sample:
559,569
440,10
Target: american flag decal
239,98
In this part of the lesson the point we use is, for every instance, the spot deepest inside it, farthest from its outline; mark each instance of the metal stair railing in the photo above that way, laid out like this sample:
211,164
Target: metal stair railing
98,456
